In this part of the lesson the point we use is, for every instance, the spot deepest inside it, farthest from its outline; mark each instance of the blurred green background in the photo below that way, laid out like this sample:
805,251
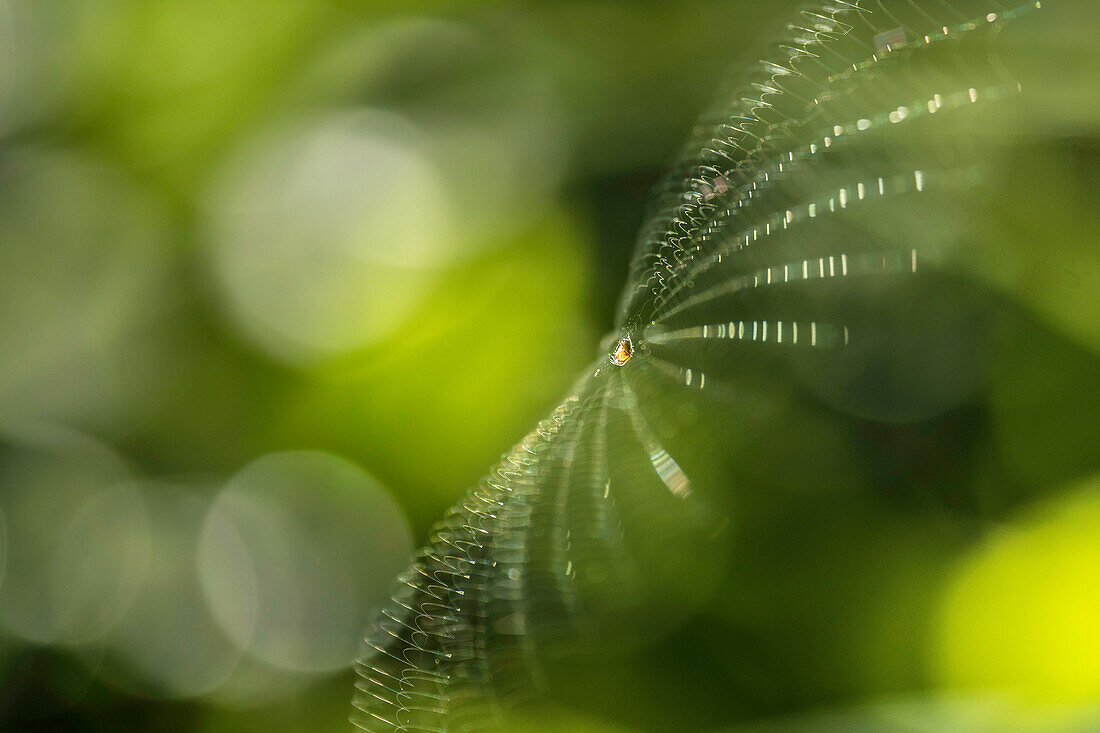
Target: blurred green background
279,279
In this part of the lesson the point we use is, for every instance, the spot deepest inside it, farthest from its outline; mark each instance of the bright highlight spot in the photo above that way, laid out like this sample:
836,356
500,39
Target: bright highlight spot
1022,616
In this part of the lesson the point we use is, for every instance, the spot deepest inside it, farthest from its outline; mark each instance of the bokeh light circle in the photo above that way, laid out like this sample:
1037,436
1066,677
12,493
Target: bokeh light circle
325,236
319,544
76,537
168,645
82,270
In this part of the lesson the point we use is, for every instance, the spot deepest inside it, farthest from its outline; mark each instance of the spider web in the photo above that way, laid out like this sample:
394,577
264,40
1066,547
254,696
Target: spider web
799,273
